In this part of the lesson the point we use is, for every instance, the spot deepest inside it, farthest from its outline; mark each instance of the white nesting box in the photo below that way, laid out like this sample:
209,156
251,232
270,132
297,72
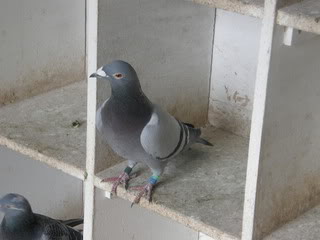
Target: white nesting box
42,47
244,70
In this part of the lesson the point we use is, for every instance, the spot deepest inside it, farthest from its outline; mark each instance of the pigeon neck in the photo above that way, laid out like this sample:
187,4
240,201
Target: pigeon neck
132,103
127,92
17,222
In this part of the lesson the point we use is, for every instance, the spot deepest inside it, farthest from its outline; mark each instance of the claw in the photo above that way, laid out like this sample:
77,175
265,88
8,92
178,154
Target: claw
145,190
122,179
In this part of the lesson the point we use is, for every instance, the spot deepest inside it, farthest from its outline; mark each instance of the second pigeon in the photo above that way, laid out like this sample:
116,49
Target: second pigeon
20,223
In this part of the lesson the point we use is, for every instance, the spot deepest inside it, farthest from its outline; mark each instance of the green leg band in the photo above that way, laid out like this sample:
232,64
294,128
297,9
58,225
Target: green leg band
128,170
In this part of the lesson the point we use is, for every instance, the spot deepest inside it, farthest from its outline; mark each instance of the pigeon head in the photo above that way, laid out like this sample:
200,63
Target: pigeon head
14,204
122,76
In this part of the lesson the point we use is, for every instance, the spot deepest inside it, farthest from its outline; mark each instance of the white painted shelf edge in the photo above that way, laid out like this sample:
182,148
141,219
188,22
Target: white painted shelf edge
50,161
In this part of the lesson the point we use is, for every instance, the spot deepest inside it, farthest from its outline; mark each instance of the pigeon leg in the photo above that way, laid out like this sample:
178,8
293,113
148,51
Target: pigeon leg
123,178
145,190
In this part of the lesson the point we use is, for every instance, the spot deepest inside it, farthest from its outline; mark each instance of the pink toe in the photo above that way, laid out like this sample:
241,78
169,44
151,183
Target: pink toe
111,179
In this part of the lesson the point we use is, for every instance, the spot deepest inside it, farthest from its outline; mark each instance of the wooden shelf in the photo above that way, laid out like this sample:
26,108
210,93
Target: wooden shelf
252,8
42,128
303,15
202,189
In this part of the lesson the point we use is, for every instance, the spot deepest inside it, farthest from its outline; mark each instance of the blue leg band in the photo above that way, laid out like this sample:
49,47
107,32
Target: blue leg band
153,179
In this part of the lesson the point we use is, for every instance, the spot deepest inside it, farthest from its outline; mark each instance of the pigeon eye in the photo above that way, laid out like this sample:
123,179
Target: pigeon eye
118,75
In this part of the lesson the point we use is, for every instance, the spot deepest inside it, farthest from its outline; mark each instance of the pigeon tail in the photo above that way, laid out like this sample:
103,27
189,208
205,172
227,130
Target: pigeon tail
204,142
195,135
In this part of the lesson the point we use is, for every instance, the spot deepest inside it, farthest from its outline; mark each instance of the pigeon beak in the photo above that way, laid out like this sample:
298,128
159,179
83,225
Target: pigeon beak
99,74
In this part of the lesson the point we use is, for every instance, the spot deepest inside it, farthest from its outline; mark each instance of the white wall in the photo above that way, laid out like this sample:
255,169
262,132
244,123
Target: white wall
49,191
42,46
169,43
115,219
234,63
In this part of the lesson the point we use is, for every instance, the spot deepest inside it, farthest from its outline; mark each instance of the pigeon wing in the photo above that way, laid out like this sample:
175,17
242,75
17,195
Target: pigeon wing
163,137
55,230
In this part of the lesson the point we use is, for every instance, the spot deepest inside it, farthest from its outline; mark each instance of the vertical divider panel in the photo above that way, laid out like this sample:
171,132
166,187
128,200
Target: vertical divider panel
263,70
289,167
91,64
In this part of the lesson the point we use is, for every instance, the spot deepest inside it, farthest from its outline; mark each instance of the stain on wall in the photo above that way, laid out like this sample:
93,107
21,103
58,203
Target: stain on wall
235,53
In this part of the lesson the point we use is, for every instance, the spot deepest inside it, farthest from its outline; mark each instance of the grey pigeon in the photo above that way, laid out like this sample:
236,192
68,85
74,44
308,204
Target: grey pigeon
20,223
138,130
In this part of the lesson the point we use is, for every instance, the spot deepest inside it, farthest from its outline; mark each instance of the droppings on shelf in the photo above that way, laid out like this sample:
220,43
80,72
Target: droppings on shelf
76,124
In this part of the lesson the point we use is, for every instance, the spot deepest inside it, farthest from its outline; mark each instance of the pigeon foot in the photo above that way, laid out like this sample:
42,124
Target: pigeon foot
145,190
124,178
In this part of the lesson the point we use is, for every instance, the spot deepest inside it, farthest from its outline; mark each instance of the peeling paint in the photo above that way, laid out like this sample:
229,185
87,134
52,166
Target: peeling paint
227,93
237,98
309,116
233,119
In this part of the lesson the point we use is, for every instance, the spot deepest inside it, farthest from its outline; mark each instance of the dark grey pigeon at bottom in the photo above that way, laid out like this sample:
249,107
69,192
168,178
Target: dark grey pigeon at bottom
138,130
20,223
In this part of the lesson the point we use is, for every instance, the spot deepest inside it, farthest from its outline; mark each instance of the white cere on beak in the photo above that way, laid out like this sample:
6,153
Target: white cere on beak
101,73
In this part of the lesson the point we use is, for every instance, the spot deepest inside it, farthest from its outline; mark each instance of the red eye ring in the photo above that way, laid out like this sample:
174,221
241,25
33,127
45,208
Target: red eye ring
118,75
